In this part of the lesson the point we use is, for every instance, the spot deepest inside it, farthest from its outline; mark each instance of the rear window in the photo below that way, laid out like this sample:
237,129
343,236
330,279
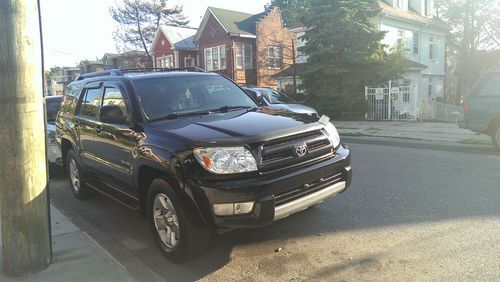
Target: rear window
164,96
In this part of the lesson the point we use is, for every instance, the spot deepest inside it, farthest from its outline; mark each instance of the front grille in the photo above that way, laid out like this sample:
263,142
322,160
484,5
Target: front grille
304,190
279,153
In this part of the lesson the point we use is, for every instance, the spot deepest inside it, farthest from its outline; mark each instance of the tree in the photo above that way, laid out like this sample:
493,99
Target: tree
345,55
475,26
293,11
139,20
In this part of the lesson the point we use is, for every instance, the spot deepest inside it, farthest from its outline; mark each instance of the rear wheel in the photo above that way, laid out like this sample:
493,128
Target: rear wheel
176,233
76,177
495,137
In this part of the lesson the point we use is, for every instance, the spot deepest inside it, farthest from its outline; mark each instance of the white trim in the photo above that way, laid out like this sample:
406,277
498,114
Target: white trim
244,35
164,57
219,59
190,58
176,59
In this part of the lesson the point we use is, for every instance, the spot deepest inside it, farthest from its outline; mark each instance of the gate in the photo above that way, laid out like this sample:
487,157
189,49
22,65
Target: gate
392,101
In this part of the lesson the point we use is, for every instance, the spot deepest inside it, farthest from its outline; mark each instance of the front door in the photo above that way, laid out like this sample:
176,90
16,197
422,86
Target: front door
85,122
115,143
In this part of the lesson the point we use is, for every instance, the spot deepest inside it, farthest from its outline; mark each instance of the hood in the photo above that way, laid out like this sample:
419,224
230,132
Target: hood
236,126
296,108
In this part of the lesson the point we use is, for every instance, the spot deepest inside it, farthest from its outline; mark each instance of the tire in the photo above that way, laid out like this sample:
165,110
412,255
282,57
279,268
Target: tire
76,177
178,236
495,137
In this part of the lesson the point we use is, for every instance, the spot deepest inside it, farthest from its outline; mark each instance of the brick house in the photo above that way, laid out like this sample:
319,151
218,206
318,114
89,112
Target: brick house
248,48
173,47
128,60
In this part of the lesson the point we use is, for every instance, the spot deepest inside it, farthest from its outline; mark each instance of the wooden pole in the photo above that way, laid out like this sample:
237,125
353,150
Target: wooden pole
23,168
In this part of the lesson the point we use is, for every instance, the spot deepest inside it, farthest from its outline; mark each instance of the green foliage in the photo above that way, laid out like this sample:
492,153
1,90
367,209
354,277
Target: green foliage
293,11
345,55
139,20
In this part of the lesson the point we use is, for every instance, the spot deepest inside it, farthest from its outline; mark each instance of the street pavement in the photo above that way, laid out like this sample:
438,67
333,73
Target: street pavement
76,257
411,214
448,133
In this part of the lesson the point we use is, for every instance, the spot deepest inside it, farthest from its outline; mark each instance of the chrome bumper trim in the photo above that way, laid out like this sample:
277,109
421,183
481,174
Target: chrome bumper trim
307,201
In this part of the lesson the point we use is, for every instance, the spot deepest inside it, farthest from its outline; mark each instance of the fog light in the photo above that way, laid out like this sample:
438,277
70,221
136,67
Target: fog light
232,208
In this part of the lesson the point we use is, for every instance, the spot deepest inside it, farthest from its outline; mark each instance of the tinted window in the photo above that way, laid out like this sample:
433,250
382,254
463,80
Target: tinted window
53,105
113,96
177,95
491,86
71,98
90,103
275,97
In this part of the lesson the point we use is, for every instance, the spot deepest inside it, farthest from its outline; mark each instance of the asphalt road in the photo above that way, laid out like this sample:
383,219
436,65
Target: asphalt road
410,214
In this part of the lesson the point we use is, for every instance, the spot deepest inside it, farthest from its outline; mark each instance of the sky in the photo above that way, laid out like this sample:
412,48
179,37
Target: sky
74,30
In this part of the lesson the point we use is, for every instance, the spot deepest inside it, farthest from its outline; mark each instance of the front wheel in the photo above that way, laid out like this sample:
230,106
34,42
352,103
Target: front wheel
76,177
176,233
495,137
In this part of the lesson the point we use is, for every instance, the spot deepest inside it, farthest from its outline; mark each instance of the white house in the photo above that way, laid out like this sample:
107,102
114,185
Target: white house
413,24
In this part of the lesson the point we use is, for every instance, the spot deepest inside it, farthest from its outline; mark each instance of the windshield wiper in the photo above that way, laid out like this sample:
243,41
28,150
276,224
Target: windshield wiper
178,115
227,108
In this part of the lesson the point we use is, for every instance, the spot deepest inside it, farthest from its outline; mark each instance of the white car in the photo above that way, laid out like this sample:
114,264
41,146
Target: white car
53,105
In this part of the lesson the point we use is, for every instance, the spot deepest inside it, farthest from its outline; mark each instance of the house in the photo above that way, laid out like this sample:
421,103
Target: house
174,47
411,23
87,66
58,78
250,49
128,60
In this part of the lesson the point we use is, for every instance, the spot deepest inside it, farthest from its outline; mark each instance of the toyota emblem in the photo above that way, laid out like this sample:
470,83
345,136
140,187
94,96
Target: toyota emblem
300,150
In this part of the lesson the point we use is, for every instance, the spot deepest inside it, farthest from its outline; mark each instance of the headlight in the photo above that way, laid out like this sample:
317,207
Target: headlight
333,134
226,160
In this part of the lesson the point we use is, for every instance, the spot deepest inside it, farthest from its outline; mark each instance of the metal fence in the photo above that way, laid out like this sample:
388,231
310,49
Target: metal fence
392,101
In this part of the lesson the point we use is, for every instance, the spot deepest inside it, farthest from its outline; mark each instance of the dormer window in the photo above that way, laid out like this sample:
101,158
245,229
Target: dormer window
427,7
399,4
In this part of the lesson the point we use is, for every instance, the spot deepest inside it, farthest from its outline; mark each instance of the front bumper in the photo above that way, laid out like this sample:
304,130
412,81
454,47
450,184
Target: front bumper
276,196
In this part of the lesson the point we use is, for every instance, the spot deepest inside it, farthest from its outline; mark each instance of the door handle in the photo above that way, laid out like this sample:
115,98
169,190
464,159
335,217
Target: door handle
98,129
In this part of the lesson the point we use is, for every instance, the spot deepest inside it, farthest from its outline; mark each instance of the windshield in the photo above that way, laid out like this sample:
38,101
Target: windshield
275,97
161,97
53,106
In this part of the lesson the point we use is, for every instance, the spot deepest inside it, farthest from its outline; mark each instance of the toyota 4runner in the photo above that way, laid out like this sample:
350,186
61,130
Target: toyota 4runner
194,153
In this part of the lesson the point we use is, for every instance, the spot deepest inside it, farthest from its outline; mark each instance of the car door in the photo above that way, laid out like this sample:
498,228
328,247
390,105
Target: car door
484,103
85,122
115,143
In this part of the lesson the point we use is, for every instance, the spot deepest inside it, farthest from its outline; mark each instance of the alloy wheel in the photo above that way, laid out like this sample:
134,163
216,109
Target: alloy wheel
74,175
166,222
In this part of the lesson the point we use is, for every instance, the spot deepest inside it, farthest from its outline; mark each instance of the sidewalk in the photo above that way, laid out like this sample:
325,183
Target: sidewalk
76,257
448,133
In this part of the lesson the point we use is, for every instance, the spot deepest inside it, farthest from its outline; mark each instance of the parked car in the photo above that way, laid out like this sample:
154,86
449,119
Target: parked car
195,154
277,100
53,105
482,107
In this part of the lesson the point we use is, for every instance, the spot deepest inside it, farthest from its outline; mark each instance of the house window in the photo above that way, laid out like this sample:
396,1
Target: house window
274,56
401,37
188,62
432,49
416,43
399,3
427,7
215,58
165,62
244,57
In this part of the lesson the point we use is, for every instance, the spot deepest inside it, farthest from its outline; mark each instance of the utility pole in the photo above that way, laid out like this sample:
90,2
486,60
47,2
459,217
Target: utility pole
294,69
26,246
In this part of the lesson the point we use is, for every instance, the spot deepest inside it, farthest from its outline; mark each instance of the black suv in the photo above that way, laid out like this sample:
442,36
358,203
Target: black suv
195,154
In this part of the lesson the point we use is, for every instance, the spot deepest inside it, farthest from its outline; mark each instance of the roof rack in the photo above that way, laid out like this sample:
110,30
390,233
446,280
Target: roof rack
121,72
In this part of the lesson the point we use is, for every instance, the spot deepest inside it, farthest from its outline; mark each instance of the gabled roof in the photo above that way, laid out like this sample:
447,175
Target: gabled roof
410,15
180,37
234,23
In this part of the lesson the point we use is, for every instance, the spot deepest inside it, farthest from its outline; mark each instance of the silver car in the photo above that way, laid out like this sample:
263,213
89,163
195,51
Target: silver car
53,105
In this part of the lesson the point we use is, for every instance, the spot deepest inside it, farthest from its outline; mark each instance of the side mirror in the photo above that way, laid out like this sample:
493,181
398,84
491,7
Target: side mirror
112,114
256,96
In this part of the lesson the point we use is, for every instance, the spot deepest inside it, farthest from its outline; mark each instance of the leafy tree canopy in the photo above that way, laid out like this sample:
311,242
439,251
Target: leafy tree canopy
345,54
292,10
138,21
